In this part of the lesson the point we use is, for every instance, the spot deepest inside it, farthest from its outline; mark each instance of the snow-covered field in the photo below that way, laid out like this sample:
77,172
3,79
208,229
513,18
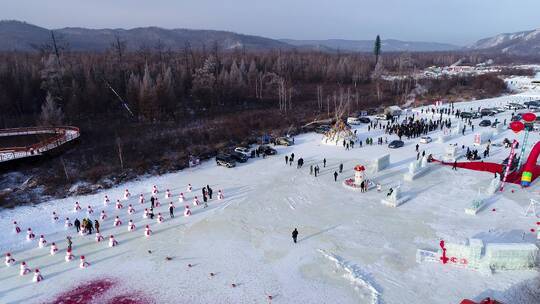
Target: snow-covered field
351,249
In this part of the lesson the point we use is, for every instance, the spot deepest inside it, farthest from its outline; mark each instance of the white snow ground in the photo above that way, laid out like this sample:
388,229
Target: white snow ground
351,247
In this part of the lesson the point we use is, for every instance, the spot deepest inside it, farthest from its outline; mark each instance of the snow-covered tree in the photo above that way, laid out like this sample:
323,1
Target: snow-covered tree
51,113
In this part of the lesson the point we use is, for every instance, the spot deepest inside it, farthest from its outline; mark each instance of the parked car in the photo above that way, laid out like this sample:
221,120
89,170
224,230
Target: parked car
485,123
239,157
476,115
394,144
488,112
353,121
322,129
425,140
466,115
500,109
243,150
284,141
365,120
225,160
381,117
267,150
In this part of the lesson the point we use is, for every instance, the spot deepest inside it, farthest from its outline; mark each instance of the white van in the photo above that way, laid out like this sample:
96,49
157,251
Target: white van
353,121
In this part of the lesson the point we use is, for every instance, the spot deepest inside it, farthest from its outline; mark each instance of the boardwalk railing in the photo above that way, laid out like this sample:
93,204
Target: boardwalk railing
60,136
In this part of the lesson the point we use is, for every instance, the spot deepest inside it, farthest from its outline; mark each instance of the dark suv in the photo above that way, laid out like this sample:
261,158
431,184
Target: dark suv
239,157
267,150
225,160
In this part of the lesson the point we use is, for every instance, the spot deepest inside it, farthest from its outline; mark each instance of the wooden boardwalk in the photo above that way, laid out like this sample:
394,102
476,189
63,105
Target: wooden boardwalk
58,137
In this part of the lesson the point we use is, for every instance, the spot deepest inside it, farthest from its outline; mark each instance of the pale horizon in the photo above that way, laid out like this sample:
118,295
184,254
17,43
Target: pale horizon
460,22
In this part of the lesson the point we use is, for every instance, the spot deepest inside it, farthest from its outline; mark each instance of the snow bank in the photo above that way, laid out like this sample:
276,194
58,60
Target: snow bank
353,274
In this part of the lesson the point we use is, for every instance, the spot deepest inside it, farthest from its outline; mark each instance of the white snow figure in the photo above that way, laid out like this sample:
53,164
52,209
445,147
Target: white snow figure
112,241
30,234
9,259
189,188
167,194
68,223
156,203
54,217
117,221
37,276
42,241
154,190
103,216
99,237
119,205
54,249
16,227
89,210
77,207
24,270
181,198
126,194
141,199
131,226
130,209
146,212
160,218
195,201
220,195
106,201
83,263
147,231
69,255
187,211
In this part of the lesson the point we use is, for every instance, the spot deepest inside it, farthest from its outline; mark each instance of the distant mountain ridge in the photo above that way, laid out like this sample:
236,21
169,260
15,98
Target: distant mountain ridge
22,36
518,43
388,45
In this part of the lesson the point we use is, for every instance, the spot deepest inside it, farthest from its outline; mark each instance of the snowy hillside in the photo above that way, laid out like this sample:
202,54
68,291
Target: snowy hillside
520,43
351,249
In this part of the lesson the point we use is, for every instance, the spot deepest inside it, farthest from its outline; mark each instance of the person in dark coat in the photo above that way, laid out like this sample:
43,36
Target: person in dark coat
69,242
171,211
96,224
151,214
89,226
340,168
152,199
294,235
77,224
335,176
324,163
210,191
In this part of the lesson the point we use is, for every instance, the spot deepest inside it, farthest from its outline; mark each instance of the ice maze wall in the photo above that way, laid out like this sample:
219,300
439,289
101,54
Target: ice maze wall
494,256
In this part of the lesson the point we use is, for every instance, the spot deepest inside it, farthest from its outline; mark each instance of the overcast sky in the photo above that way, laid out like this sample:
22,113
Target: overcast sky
455,21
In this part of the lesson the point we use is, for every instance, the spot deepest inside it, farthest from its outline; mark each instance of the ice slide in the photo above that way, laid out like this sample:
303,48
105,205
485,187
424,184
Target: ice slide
530,171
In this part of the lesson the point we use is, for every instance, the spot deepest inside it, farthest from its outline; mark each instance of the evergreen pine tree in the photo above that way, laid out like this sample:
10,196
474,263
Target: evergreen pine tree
377,49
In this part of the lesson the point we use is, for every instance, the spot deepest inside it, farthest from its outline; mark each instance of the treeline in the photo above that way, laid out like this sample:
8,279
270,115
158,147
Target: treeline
186,85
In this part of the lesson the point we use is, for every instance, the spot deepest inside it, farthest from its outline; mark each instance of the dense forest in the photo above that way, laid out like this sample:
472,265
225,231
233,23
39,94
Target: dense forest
146,111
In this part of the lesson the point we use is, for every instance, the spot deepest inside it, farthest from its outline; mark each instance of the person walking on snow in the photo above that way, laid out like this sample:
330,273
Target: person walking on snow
152,199
171,211
454,166
310,169
324,163
96,225
417,146
286,159
69,242
340,168
77,224
335,176
294,235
